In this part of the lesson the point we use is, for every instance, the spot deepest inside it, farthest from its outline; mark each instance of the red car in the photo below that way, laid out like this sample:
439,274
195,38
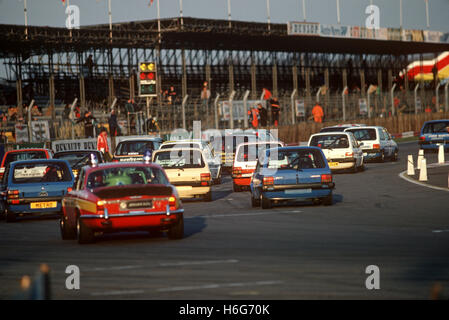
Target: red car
23,154
114,197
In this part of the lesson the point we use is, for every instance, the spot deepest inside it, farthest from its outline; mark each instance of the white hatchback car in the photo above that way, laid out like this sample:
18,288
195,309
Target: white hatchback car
376,143
212,158
187,170
341,149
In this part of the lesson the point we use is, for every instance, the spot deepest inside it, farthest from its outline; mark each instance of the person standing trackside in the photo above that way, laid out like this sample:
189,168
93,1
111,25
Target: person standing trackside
205,95
102,144
253,116
275,110
263,115
317,113
113,124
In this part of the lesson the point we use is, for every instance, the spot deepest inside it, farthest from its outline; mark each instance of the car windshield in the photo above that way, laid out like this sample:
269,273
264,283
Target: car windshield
180,159
252,152
41,172
130,148
123,176
295,159
331,141
25,155
364,134
73,158
436,127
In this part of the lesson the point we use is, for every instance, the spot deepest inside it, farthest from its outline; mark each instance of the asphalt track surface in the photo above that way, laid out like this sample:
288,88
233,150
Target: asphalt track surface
233,251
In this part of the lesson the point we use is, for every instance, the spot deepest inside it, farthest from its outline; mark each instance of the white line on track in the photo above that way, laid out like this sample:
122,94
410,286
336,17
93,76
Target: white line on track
403,175
117,293
440,231
222,285
190,263
243,214
117,268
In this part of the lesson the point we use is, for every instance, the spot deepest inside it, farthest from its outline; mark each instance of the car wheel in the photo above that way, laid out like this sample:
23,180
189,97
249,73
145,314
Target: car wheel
208,196
10,216
395,155
177,231
266,203
328,201
84,234
66,232
255,202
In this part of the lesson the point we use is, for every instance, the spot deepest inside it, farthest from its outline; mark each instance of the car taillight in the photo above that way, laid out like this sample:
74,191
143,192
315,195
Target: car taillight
422,138
13,194
69,189
268,181
100,205
173,202
115,160
376,146
205,179
349,154
236,171
326,178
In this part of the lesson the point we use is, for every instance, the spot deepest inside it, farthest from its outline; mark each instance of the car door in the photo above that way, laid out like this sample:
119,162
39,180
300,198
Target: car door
358,153
384,146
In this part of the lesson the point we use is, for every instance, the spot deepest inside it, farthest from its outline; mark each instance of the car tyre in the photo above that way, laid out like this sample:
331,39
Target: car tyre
255,202
208,196
66,232
176,232
382,156
266,203
10,216
328,201
84,234
395,155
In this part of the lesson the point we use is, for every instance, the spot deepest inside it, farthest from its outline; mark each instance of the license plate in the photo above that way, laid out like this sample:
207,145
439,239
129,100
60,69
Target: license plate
298,191
365,154
140,204
43,205
333,164
184,188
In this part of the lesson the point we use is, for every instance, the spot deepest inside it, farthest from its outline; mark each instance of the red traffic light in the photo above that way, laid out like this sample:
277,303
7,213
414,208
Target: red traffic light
147,76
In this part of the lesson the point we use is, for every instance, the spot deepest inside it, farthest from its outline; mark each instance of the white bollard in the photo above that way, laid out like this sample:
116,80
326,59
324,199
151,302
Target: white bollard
420,157
410,166
423,170
441,153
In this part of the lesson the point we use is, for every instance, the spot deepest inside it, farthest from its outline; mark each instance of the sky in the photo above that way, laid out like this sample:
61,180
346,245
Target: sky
52,12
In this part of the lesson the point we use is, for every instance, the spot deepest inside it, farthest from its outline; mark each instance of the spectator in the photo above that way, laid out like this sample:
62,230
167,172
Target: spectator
102,144
205,95
89,64
266,94
275,110
263,115
317,113
66,113
253,116
89,122
152,125
35,112
172,96
12,114
113,124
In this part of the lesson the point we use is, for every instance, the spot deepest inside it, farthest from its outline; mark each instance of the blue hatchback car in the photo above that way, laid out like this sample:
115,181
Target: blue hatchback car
433,133
291,174
35,187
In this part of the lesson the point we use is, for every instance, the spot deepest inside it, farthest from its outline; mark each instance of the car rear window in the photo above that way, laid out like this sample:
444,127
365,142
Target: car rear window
364,134
295,159
131,148
180,145
123,176
26,155
73,158
180,159
331,141
41,172
333,129
230,143
252,152
436,127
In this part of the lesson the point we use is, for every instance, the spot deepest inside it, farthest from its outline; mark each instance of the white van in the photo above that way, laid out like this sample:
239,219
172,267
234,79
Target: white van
341,149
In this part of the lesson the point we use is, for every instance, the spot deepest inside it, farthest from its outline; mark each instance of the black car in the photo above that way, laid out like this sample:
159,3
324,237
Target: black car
79,158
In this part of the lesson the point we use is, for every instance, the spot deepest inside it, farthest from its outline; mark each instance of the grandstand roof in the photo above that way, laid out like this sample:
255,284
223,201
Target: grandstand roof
194,33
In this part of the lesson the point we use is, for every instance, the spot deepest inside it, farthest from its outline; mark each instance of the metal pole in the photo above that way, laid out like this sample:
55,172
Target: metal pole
184,101
338,11
304,9
292,99
446,96
344,103
229,13
216,111
318,95
158,22
26,18
392,99
400,14
72,108
437,98
110,20
427,14
30,135
231,116
181,13
268,14
416,97
245,106
368,99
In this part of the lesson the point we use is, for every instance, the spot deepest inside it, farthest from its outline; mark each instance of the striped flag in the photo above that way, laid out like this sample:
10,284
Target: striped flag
63,2
151,2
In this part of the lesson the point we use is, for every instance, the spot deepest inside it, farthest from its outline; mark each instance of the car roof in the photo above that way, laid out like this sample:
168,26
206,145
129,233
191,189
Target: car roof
330,133
177,149
75,151
440,120
143,139
259,142
38,161
109,165
364,127
27,150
